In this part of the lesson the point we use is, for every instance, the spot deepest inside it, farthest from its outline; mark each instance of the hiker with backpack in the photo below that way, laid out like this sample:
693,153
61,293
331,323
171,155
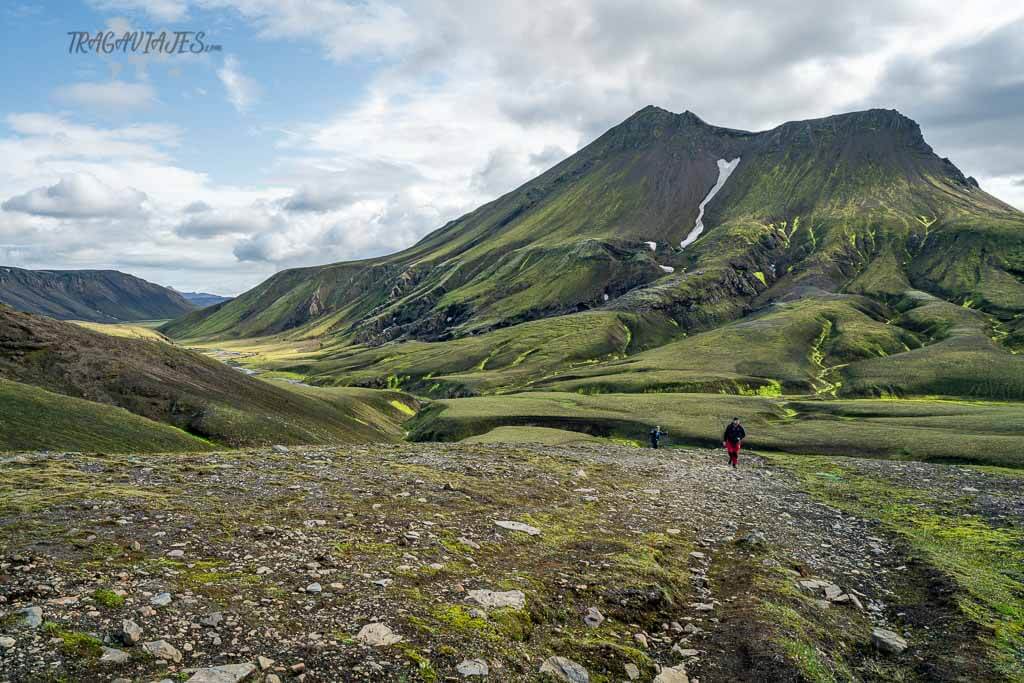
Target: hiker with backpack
656,435
732,439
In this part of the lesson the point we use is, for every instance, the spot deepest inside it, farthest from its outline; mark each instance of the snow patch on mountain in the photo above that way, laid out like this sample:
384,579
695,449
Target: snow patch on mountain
652,245
725,169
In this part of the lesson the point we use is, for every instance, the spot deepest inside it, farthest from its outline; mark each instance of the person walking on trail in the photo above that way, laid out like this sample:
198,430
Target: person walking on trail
656,435
733,439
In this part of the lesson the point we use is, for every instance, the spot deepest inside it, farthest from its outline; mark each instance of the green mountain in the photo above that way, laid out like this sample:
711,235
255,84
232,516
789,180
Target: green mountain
94,295
53,368
837,255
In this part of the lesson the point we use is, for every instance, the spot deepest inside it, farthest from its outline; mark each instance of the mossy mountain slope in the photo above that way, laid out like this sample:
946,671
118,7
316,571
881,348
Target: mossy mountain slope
810,203
105,296
178,387
835,226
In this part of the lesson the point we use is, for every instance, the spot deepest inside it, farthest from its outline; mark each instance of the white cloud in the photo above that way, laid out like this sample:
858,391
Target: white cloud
164,10
109,95
78,196
344,30
242,91
206,223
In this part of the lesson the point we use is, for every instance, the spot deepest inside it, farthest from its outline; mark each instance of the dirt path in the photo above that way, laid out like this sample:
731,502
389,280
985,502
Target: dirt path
675,560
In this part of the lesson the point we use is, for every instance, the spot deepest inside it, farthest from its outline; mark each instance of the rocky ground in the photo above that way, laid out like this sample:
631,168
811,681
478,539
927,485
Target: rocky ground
455,562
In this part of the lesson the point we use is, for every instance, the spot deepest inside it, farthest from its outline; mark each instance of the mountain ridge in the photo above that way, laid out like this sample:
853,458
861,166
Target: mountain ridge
105,296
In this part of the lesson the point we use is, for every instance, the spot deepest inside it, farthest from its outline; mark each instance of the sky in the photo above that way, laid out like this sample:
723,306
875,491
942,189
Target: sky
301,132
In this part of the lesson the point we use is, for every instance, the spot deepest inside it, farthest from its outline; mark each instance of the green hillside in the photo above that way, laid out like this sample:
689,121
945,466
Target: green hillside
842,257
202,396
943,431
73,424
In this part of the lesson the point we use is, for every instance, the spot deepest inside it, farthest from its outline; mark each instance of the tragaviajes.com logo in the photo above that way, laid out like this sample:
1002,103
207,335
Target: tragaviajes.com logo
140,42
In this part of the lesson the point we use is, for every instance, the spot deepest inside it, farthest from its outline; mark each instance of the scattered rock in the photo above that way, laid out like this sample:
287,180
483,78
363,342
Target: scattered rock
212,619
314,588
494,599
377,635
469,543
228,673
473,667
888,641
278,448
593,618
6,642
176,554
264,662
754,538
31,616
563,669
518,526
160,600
161,649
113,656
632,671
131,632
672,674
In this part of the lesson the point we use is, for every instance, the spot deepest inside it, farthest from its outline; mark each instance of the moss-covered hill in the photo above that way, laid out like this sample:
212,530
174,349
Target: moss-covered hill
840,257
857,197
63,381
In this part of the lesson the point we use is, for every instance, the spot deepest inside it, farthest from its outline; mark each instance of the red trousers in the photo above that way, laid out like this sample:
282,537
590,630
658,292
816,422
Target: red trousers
734,452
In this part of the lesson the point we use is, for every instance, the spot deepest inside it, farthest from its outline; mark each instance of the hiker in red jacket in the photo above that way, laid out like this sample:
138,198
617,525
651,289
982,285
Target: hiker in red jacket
733,439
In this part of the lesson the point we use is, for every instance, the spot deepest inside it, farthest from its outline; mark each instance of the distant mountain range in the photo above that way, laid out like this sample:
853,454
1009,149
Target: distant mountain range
105,296
202,299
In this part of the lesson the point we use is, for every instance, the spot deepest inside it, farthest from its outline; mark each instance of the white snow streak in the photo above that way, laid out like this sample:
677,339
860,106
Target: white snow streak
668,269
725,169
652,245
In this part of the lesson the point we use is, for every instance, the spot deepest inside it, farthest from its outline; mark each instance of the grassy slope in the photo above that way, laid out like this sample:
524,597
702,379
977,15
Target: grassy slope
987,433
542,435
783,349
172,385
75,424
131,330
498,361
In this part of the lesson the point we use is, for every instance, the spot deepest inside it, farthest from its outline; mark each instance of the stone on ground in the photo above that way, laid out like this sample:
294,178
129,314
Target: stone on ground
564,669
888,641
473,667
113,656
228,673
161,649
518,526
378,635
495,599
672,674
